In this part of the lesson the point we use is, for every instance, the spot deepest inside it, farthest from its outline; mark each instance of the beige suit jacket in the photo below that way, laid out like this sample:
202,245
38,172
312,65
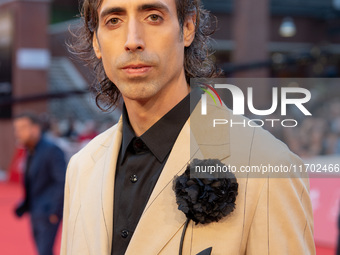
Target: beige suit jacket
272,215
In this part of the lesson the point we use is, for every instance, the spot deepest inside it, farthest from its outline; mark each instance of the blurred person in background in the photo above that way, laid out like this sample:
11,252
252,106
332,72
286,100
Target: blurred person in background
71,132
43,181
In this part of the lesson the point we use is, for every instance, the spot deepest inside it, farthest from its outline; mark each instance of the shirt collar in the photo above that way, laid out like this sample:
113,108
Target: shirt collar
128,133
161,137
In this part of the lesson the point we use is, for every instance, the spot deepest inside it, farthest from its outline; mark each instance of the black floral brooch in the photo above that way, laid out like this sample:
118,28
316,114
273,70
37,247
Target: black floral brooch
208,199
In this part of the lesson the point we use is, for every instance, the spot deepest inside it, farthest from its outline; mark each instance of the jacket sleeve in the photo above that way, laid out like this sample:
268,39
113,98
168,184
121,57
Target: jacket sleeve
283,220
66,214
58,170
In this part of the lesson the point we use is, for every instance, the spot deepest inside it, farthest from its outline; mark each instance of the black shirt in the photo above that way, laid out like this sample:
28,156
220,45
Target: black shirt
140,162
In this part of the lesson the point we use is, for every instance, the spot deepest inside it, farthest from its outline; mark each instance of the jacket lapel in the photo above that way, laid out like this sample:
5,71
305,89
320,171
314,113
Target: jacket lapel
98,192
161,219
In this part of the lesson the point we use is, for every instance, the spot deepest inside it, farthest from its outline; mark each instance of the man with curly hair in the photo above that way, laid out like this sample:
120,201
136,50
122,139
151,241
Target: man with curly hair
118,192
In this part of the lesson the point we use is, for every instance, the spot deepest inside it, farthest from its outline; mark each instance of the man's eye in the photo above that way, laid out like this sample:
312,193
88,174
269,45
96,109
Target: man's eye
154,17
113,21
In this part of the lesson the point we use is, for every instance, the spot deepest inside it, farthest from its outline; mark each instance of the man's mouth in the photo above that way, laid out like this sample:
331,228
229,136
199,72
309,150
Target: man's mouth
137,69
135,66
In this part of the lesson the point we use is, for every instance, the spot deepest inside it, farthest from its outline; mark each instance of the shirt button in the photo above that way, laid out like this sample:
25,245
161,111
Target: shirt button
124,233
133,178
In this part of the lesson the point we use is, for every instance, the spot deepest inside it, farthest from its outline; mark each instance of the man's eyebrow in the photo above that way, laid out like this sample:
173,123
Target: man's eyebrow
118,10
156,6
143,7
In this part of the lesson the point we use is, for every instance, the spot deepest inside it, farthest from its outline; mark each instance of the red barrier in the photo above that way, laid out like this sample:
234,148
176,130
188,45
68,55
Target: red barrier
16,167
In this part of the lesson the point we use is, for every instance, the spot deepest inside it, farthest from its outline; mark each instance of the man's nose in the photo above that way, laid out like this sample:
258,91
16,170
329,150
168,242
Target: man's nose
134,41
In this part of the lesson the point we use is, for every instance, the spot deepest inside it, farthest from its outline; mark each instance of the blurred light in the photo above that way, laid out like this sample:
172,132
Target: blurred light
33,59
5,29
336,4
287,28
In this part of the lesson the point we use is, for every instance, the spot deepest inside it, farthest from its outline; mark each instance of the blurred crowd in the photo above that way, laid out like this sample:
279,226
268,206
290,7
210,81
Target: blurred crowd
315,135
70,134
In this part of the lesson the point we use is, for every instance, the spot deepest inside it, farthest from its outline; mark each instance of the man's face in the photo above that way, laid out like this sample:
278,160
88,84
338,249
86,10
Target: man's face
25,131
141,46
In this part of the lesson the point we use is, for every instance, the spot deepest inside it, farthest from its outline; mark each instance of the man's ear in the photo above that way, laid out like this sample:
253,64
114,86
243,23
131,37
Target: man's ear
96,46
189,29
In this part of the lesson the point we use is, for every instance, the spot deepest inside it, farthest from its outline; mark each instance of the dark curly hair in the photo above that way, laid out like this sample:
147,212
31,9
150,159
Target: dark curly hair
197,62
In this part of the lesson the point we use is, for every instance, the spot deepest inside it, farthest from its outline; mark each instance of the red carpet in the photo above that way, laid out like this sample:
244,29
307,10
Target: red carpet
15,233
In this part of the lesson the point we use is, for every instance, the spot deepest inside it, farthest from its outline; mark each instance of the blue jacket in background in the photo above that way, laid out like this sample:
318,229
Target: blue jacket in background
44,181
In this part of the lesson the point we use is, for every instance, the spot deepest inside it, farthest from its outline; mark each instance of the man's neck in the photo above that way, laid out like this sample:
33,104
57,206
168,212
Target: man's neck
143,114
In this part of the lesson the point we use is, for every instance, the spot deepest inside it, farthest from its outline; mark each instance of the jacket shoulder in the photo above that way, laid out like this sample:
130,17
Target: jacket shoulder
93,149
256,138
103,139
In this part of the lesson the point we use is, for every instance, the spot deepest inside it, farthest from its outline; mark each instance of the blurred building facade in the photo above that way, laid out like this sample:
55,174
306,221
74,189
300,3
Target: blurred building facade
24,64
312,50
